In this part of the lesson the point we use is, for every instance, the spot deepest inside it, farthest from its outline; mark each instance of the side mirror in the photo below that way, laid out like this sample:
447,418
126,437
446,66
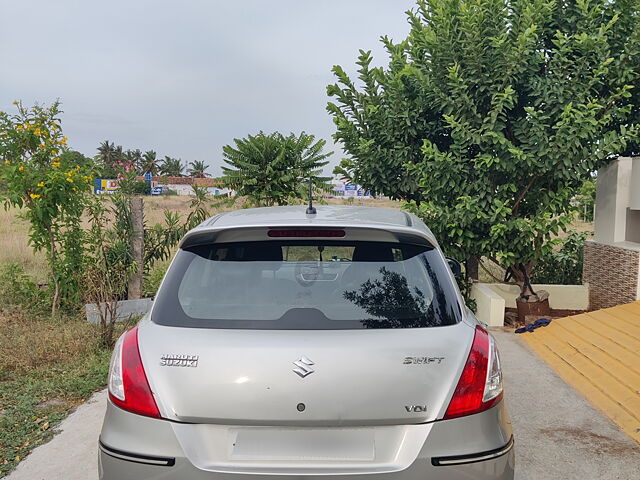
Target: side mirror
455,267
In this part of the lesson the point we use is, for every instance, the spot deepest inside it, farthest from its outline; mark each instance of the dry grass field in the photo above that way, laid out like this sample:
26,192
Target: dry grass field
14,245
14,232
14,238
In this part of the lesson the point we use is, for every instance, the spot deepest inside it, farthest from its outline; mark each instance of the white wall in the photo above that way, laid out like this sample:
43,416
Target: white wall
493,298
490,305
612,200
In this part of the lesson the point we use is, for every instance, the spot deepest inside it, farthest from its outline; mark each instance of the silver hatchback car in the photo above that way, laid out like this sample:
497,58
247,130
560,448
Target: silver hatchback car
311,346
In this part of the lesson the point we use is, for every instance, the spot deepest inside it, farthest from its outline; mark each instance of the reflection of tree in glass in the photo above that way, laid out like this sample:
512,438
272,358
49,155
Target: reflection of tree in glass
440,307
393,303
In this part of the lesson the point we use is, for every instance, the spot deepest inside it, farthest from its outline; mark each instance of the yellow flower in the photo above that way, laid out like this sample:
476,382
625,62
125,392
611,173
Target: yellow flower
63,141
37,131
34,195
55,164
70,180
41,184
42,146
20,128
15,102
7,162
21,168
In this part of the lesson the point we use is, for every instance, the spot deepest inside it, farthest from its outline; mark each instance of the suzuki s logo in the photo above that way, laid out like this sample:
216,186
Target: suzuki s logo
303,367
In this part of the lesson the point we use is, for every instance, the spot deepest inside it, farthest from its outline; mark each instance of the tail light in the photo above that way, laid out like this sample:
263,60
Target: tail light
128,385
480,385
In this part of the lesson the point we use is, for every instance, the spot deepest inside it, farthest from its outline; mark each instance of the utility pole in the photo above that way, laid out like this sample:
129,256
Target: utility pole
134,289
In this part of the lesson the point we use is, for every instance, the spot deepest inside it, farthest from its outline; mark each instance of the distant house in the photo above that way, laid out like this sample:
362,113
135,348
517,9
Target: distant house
183,185
180,185
343,188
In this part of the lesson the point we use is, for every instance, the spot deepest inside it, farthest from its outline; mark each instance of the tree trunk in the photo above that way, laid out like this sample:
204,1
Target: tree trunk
530,304
521,276
56,281
471,267
134,289
56,297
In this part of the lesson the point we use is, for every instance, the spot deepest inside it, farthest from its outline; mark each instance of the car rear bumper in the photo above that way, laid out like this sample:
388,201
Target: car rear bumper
478,447
500,468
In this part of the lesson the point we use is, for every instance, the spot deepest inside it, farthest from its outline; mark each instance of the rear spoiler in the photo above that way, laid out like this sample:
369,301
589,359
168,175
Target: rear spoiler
207,236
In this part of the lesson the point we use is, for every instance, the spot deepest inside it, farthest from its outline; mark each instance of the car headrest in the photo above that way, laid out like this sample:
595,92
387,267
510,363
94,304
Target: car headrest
372,253
264,253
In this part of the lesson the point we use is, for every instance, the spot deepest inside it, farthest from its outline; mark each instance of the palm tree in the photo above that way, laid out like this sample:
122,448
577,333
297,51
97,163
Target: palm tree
150,162
171,167
135,159
197,169
132,158
107,157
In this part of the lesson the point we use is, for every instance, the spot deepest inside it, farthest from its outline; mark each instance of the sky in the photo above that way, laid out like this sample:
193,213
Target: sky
184,78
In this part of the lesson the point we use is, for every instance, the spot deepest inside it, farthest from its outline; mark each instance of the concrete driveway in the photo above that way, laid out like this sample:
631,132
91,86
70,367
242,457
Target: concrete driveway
558,434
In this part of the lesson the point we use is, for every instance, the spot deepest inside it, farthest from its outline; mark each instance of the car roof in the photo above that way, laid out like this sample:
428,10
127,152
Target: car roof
327,215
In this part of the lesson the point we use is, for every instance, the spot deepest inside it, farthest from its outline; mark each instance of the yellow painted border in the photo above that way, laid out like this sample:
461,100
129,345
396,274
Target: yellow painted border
598,353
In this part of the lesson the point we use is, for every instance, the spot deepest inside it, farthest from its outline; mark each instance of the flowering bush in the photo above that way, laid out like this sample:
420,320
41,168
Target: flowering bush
40,179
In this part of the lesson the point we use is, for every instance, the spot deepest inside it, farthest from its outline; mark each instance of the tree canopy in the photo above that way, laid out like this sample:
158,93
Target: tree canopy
197,169
271,169
491,114
171,167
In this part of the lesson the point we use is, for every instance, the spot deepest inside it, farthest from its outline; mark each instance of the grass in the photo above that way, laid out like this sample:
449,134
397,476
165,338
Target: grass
47,367
15,248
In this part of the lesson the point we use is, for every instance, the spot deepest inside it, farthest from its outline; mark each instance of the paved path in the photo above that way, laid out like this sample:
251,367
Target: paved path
558,434
598,353
72,454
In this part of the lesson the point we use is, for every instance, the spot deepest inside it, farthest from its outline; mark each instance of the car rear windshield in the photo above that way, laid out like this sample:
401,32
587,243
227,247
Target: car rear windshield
307,285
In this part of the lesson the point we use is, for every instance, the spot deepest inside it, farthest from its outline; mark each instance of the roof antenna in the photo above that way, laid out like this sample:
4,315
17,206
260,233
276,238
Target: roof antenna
311,210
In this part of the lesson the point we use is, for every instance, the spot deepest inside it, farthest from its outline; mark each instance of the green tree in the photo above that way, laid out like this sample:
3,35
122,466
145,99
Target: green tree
44,179
274,169
134,158
107,159
490,116
149,163
75,158
586,200
171,167
197,169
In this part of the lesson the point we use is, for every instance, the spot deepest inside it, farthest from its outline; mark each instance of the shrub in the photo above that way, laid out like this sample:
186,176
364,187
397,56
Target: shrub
140,188
586,200
51,189
18,289
152,280
563,266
